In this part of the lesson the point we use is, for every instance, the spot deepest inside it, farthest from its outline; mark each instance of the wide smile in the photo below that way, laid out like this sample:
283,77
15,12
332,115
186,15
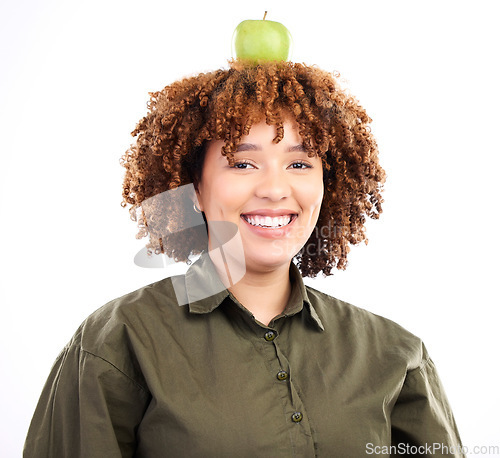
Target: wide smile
269,226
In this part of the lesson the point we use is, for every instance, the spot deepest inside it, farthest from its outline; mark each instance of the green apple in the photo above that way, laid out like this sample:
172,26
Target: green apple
261,40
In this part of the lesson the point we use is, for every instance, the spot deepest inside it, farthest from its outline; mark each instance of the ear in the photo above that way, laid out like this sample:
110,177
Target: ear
196,197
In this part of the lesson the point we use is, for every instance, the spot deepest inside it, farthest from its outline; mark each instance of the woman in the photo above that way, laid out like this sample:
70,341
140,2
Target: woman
238,357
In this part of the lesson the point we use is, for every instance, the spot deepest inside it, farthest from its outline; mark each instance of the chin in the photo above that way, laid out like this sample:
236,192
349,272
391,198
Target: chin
271,258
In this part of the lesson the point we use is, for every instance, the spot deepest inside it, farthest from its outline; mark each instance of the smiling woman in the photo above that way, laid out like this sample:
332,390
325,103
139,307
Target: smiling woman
215,364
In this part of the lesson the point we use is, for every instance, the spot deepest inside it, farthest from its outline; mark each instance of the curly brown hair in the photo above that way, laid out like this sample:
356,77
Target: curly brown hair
223,105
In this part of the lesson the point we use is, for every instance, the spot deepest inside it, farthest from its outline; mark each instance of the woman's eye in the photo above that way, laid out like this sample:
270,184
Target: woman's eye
300,165
242,165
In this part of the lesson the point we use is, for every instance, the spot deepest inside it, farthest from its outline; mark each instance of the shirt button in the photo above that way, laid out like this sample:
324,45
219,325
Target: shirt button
270,336
296,417
282,375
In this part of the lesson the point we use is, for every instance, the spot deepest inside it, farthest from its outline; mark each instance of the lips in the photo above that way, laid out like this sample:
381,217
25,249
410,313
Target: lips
270,224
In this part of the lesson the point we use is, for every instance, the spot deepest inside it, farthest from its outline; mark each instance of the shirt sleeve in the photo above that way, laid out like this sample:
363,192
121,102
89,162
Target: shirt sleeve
88,408
422,420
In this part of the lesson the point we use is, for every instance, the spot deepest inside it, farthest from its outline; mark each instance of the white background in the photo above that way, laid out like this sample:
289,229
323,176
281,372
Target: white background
75,78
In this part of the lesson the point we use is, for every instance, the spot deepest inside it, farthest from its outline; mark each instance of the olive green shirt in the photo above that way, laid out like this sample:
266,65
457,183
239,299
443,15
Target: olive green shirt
144,376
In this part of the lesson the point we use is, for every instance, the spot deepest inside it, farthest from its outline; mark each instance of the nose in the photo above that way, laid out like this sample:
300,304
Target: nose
274,185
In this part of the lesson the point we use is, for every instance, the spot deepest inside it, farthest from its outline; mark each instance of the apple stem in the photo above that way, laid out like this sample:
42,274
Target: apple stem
265,14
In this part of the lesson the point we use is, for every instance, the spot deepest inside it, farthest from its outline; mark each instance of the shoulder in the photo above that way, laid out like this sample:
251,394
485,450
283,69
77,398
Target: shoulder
123,325
364,329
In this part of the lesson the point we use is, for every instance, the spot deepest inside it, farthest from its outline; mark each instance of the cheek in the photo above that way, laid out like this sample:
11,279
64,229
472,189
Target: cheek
312,194
226,193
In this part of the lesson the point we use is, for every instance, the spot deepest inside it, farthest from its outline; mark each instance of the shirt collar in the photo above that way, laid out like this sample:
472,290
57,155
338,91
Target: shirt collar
205,290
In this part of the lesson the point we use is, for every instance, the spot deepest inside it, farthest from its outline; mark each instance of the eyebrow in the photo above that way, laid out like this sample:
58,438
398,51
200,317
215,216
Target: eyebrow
254,147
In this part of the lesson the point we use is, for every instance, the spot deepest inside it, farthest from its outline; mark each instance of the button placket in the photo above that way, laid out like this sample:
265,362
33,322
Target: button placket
295,413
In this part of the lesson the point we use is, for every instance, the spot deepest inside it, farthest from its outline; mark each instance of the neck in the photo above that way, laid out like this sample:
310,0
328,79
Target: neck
264,293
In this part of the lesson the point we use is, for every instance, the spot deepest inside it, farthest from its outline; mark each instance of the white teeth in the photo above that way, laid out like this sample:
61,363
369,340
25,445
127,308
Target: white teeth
268,221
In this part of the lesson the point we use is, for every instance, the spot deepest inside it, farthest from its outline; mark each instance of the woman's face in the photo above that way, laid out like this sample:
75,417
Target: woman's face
272,193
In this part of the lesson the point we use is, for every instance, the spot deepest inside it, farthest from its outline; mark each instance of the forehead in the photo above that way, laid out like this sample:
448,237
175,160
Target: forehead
263,137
